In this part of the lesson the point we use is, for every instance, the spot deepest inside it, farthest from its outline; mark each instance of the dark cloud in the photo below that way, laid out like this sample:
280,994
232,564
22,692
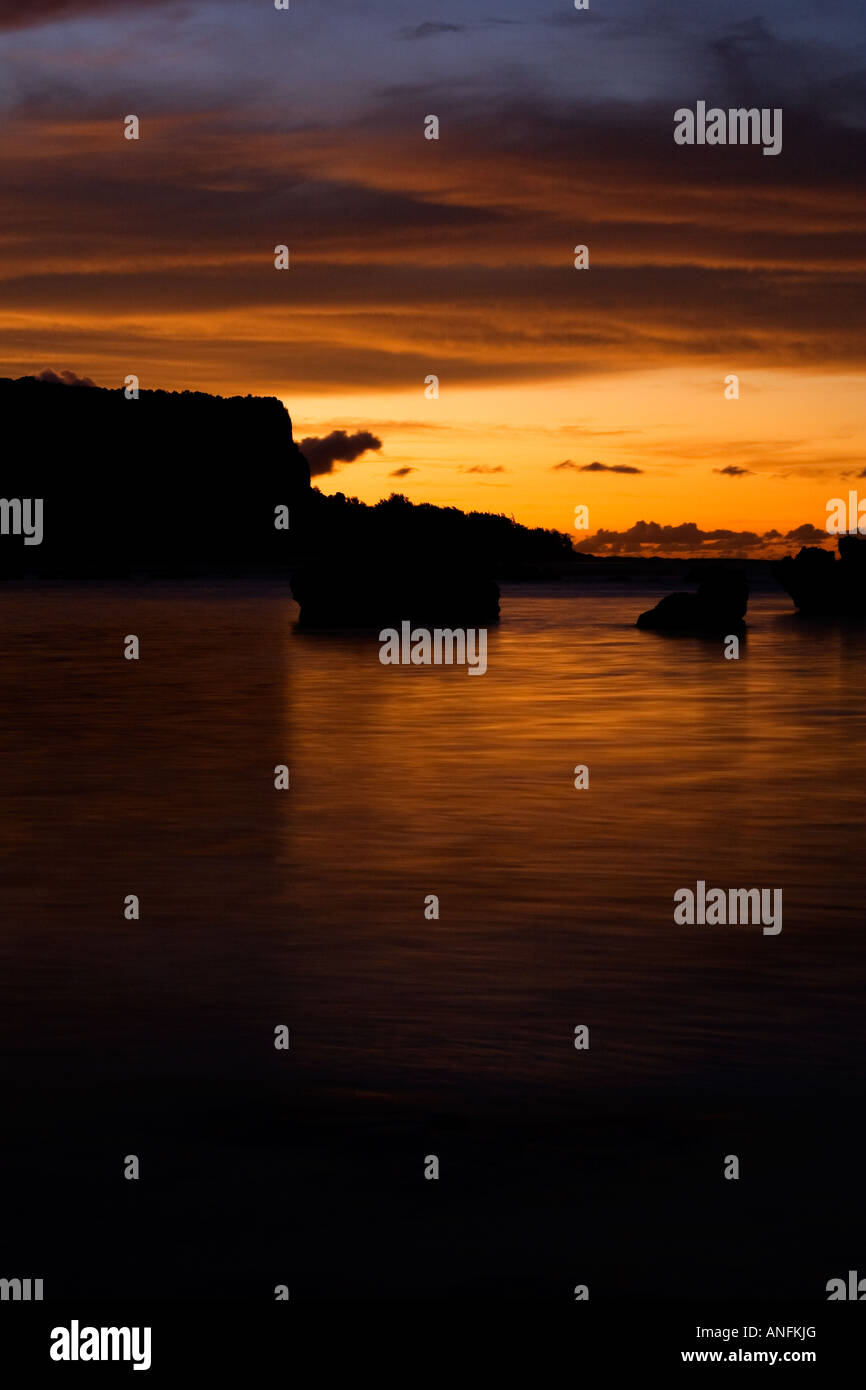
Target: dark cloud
323,452
596,467
64,378
402,263
485,468
402,472
807,534
398,256
392,316
732,471
429,28
28,14
653,537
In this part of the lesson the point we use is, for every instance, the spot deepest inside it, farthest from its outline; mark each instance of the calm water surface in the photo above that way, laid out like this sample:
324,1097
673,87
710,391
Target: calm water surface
307,907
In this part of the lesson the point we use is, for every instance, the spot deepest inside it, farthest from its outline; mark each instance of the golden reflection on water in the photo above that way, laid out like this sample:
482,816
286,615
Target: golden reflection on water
556,905
307,907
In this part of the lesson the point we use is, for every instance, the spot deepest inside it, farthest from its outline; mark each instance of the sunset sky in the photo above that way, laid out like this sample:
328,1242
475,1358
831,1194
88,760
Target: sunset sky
454,257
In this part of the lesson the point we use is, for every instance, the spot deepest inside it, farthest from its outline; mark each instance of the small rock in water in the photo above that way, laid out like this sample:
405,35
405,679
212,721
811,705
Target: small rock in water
719,606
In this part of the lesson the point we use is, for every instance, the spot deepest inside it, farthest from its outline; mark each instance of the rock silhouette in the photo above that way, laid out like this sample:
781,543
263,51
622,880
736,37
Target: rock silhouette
375,566
821,585
718,607
185,484
427,593
173,483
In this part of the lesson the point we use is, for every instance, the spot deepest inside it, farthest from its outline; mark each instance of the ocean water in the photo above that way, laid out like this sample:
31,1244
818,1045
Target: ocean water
306,907
555,905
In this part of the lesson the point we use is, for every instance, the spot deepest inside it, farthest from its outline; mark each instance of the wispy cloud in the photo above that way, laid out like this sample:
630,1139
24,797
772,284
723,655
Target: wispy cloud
594,467
29,14
431,29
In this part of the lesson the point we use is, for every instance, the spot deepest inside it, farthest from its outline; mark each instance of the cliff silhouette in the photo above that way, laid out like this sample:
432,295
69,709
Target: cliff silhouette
185,484
181,483
173,483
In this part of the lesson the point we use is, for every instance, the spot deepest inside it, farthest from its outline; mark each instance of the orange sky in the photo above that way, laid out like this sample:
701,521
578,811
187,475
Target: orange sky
674,424
455,257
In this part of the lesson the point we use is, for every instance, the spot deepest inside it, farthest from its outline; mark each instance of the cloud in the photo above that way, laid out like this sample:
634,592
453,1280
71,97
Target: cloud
596,467
807,534
28,14
429,28
687,538
402,472
402,256
732,471
485,468
323,452
63,378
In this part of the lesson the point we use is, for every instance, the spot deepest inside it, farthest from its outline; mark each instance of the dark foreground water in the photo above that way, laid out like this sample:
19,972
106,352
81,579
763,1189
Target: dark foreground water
413,1037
